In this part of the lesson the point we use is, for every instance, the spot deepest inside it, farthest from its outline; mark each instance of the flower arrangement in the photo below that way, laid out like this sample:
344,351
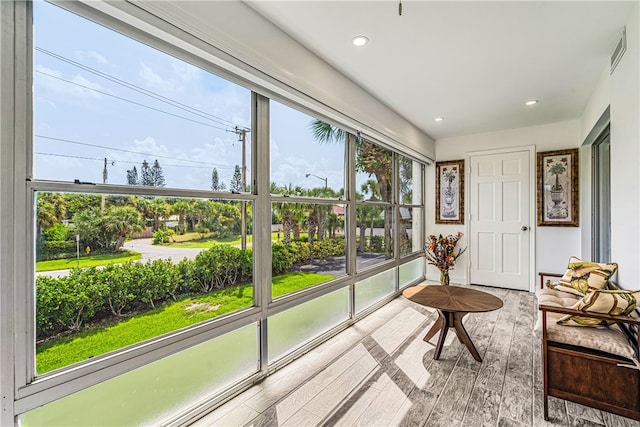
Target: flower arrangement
441,252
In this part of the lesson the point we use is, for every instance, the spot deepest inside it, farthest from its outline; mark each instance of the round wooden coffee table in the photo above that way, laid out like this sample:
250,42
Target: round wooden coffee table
452,303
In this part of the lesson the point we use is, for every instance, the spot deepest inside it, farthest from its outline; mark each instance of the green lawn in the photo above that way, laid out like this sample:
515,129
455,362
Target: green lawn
185,312
234,241
87,261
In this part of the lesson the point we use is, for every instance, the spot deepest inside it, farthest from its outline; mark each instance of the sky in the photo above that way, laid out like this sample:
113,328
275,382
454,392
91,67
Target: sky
99,94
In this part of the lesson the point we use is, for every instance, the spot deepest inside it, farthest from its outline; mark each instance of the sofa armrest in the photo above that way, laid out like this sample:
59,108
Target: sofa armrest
545,275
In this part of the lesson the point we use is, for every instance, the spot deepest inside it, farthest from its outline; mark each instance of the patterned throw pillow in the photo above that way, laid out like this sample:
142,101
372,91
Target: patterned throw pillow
618,302
583,276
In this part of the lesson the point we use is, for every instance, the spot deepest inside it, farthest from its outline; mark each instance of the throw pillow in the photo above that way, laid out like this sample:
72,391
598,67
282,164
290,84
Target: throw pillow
583,276
619,302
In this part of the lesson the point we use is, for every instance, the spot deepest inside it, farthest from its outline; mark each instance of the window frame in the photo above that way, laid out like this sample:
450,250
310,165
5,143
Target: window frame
31,391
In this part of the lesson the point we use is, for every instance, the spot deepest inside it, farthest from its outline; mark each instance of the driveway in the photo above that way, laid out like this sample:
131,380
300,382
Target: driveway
148,252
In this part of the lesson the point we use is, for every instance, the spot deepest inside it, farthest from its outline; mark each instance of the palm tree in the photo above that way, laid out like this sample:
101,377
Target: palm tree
371,158
122,221
181,208
557,169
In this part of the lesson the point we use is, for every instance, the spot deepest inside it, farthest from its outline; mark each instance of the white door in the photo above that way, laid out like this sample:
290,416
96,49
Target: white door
500,228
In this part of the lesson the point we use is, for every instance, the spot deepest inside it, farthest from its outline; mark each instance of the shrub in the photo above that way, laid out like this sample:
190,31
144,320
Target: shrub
186,270
160,280
328,247
120,289
56,250
162,236
281,258
59,233
219,267
376,244
67,302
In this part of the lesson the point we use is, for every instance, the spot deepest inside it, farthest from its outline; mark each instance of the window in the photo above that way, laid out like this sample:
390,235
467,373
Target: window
137,263
374,212
109,109
307,188
601,154
410,236
148,211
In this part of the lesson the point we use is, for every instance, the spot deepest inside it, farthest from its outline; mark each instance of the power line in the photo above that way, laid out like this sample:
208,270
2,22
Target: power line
121,161
139,89
130,151
129,101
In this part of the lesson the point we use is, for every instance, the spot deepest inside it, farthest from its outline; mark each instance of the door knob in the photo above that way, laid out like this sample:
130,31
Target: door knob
524,228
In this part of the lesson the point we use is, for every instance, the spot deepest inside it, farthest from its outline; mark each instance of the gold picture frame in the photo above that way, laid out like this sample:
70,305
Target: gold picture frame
557,188
450,192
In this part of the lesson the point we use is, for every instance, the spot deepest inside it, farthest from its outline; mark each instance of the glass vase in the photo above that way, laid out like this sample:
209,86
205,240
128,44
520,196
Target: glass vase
444,277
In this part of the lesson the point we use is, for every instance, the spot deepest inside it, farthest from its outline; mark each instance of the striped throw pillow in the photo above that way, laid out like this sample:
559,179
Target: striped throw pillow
616,302
583,276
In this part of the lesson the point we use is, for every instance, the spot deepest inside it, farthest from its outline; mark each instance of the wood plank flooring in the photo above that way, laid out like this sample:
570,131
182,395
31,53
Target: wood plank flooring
380,372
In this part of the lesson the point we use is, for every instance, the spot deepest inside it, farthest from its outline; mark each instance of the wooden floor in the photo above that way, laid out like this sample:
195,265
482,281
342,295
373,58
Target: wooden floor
381,373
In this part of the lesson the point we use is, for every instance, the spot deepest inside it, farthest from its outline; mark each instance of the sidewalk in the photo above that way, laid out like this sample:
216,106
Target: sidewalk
148,252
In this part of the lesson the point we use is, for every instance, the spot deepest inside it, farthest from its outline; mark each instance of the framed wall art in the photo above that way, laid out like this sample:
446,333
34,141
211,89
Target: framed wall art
557,189
450,192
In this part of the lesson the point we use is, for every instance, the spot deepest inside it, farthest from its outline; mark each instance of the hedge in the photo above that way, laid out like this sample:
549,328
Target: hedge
89,295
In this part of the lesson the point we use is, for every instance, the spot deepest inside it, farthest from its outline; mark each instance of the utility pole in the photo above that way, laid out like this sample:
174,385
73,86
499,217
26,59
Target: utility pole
104,181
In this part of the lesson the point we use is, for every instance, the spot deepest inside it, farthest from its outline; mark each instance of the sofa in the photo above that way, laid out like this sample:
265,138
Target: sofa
590,343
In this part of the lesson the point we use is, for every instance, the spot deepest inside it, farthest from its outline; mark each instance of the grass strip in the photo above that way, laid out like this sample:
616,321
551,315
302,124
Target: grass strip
171,317
87,261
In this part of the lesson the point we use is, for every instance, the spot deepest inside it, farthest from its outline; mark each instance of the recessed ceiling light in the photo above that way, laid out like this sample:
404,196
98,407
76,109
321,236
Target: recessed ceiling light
532,102
360,41
438,119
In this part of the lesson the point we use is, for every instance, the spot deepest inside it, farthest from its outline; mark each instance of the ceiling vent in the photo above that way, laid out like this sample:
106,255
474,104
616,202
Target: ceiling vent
620,49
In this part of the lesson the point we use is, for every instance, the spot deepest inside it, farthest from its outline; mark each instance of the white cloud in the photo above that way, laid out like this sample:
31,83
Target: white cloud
155,81
82,56
184,71
149,145
50,79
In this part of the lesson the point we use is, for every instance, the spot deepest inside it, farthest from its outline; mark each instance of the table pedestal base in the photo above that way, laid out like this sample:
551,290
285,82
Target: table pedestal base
446,320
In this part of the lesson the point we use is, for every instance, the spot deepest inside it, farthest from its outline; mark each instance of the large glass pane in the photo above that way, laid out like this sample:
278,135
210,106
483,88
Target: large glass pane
373,289
410,181
308,245
601,246
373,171
411,271
290,329
374,239
307,154
116,270
109,109
147,395
410,232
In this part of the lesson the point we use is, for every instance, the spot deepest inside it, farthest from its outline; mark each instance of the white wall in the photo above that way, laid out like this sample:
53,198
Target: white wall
625,158
621,91
554,245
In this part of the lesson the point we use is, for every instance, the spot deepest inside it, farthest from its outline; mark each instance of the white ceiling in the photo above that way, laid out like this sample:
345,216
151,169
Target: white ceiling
473,62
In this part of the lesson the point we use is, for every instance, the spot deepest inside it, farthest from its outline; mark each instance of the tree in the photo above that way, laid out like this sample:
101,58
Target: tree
157,176
370,158
406,180
132,176
108,230
235,186
216,185
120,222
146,178
51,210
181,208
